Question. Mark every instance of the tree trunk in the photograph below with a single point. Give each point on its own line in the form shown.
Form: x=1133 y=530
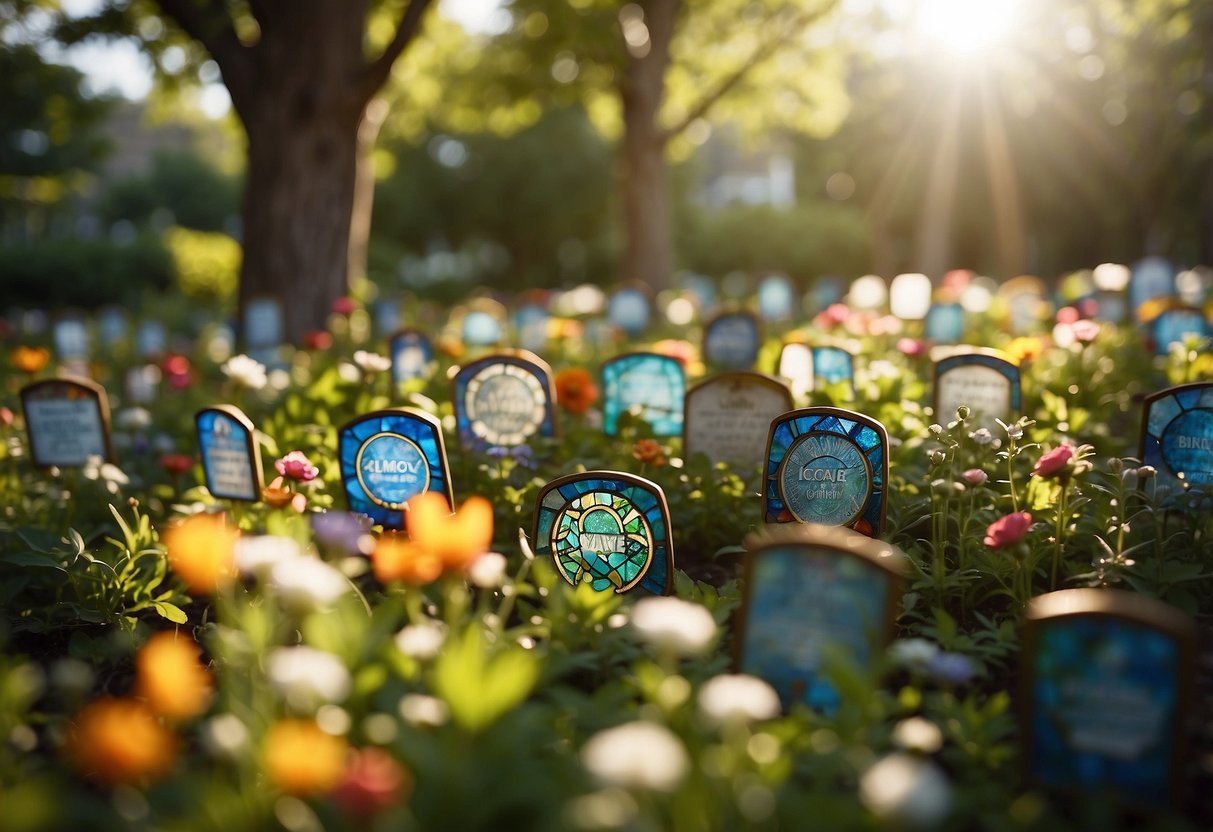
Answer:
x=642 y=165
x=364 y=186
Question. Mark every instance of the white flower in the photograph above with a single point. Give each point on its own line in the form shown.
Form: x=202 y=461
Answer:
x=637 y=755
x=908 y=790
x=421 y=641
x=257 y=555
x=306 y=583
x=245 y=371
x=738 y=698
x=881 y=369
x=224 y=736
x=674 y=625
x=305 y=676
x=918 y=734
x=982 y=436
x=372 y=362
x=133 y=418
x=488 y=570
x=419 y=710
x=913 y=652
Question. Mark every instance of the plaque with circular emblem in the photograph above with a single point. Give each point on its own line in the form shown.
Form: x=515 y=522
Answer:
x=1177 y=436
x=504 y=401
x=391 y=470
x=825 y=478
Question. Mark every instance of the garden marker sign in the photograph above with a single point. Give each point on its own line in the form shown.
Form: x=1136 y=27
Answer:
x=796 y=365
x=629 y=309
x=67 y=420
x=728 y=417
x=827 y=465
x=732 y=340
x=607 y=528
x=151 y=340
x=504 y=400
x=387 y=458
x=809 y=590
x=986 y=382
x=1106 y=681
x=231 y=457
x=263 y=328
x=411 y=353
x=1175 y=325
x=71 y=339
x=1177 y=436
x=653 y=382
x=833 y=365
x=945 y=323
x=112 y=326
x=776 y=298
x=1152 y=277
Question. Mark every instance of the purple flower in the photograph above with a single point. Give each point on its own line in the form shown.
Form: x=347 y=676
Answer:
x=342 y=530
x=952 y=668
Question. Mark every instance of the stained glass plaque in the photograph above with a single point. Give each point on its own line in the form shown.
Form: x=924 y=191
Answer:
x=945 y=323
x=608 y=528
x=1175 y=326
x=985 y=382
x=411 y=353
x=231 y=457
x=728 y=417
x=653 y=382
x=1152 y=277
x=630 y=310
x=67 y=421
x=732 y=340
x=151 y=340
x=71 y=339
x=1177 y=436
x=833 y=365
x=1106 y=681
x=808 y=590
x=387 y=458
x=776 y=298
x=504 y=400
x=827 y=465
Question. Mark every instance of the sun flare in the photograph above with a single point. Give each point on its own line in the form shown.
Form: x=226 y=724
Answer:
x=966 y=26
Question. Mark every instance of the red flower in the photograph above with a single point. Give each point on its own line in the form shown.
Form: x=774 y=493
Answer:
x=176 y=464
x=6 y=417
x=317 y=339
x=373 y=781
x=975 y=476
x=1009 y=530
x=575 y=390
x=345 y=305
x=1054 y=462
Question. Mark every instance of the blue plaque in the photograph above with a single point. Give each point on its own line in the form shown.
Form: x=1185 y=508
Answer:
x=1175 y=325
x=732 y=340
x=412 y=355
x=231 y=457
x=504 y=401
x=386 y=316
x=833 y=365
x=945 y=323
x=776 y=298
x=607 y=528
x=480 y=328
x=826 y=291
x=827 y=465
x=630 y=310
x=531 y=324
x=71 y=339
x=808 y=590
x=1111 y=306
x=1177 y=436
x=654 y=382
x=67 y=421
x=112 y=326
x=1105 y=685
x=387 y=458
x=703 y=289
x=151 y=340
x=985 y=382
x=1152 y=277
x=263 y=324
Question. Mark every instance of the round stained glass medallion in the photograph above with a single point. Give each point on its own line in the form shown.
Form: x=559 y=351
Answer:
x=604 y=535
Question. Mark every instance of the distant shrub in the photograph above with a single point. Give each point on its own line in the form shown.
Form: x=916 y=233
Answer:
x=84 y=273
x=207 y=263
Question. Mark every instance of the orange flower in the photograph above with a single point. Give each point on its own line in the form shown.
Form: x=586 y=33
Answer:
x=201 y=550
x=29 y=359
x=649 y=452
x=119 y=741
x=303 y=760
x=170 y=677
x=575 y=390
x=397 y=558
x=277 y=494
x=456 y=539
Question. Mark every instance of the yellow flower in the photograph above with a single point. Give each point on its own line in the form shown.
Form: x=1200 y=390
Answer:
x=1025 y=348
x=201 y=550
x=303 y=760
x=120 y=741
x=29 y=359
x=170 y=677
x=457 y=539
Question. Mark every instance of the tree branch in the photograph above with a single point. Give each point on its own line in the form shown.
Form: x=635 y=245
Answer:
x=376 y=73
x=209 y=23
x=765 y=49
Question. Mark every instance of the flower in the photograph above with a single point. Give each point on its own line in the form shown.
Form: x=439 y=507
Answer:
x=1085 y=330
x=257 y=554
x=975 y=476
x=245 y=372
x=1009 y=530
x=224 y=736
x=903 y=788
x=201 y=550
x=649 y=452
x=6 y=417
x=345 y=305
x=983 y=437
x=343 y=530
x=673 y=625
x=317 y=339
x=170 y=677
x=911 y=347
x=305 y=676
x=913 y=652
x=738 y=698
x=120 y=741
x=456 y=539
x=954 y=668
x=373 y=781
x=396 y=558
x=295 y=466
x=575 y=390
x=281 y=496
x=133 y=418
x=420 y=710
x=638 y=754
x=1054 y=462
x=306 y=584
x=177 y=464
x=1025 y=348
x=421 y=641
x=488 y=570
x=372 y=362
x=918 y=734
x=29 y=360
x=301 y=759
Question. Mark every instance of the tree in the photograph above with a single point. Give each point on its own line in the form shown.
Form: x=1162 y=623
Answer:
x=300 y=79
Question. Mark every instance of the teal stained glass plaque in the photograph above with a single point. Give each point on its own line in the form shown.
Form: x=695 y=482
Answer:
x=387 y=458
x=776 y=298
x=833 y=365
x=481 y=328
x=1106 y=681
x=945 y=323
x=732 y=340
x=608 y=528
x=231 y=457
x=1177 y=436
x=653 y=382
x=504 y=401
x=827 y=465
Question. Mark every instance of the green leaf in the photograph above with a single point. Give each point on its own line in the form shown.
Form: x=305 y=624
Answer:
x=34 y=559
x=480 y=688
x=172 y=612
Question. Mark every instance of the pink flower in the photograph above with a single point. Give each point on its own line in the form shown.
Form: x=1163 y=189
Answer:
x=1067 y=315
x=296 y=466
x=6 y=417
x=1054 y=462
x=344 y=305
x=974 y=476
x=1009 y=530
x=1085 y=330
x=911 y=347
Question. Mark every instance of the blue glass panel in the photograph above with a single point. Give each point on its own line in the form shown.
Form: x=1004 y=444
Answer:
x=481 y=329
x=388 y=458
x=1153 y=277
x=732 y=341
x=231 y=468
x=411 y=354
x=387 y=316
x=655 y=383
x=832 y=365
x=1175 y=325
x=503 y=401
x=71 y=339
x=945 y=322
x=1178 y=437
x=629 y=309
x=776 y=299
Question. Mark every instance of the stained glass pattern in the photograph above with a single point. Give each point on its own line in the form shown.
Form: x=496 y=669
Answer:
x=388 y=457
x=1175 y=325
x=1177 y=436
x=832 y=365
x=608 y=528
x=656 y=383
x=866 y=436
x=502 y=401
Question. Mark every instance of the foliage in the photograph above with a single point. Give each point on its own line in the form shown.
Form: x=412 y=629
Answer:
x=85 y=273
x=207 y=263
